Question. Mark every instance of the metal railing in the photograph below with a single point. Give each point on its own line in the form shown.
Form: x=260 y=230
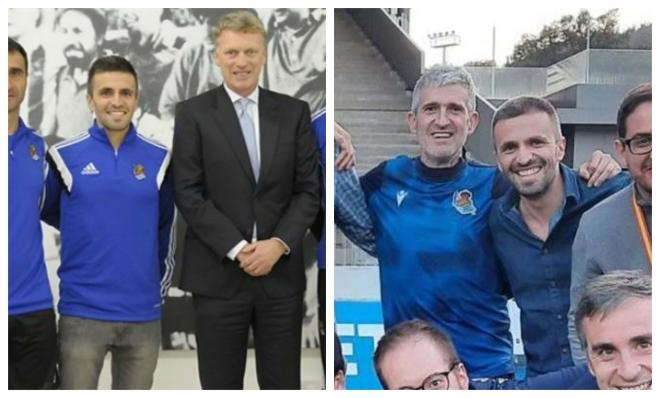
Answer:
x=346 y=253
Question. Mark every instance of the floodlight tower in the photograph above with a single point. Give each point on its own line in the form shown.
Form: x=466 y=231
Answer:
x=443 y=40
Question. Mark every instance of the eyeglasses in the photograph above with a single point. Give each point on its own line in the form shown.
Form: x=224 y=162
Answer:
x=436 y=381
x=639 y=144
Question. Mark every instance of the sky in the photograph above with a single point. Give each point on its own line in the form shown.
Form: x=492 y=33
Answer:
x=474 y=23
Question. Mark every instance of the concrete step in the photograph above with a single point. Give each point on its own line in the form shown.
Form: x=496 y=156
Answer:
x=374 y=79
x=361 y=63
x=375 y=119
x=356 y=101
x=365 y=138
x=348 y=89
x=358 y=46
x=370 y=98
x=366 y=65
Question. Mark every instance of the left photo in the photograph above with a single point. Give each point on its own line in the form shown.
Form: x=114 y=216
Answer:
x=166 y=198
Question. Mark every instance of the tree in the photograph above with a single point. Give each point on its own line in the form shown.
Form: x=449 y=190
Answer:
x=639 y=37
x=487 y=62
x=570 y=35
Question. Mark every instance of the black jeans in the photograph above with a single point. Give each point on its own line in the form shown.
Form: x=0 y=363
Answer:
x=32 y=350
x=321 y=298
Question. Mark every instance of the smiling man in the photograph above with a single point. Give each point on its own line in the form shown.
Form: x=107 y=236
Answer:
x=246 y=182
x=81 y=31
x=613 y=319
x=430 y=222
x=429 y=217
x=534 y=223
x=31 y=329
x=414 y=355
x=115 y=211
x=616 y=234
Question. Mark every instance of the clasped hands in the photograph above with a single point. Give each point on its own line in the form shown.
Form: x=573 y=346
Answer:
x=258 y=258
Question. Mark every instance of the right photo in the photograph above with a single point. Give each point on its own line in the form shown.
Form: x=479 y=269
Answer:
x=493 y=198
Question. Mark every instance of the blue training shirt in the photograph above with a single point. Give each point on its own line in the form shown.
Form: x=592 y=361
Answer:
x=116 y=216
x=318 y=126
x=436 y=257
x=29 y=290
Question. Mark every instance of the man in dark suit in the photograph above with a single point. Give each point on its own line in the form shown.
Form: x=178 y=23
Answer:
x=245 y=175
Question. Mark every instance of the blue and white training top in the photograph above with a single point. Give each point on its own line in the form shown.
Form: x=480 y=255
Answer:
x=116 y=217
x=318 y=126
x=29 y=290
x=436 y=256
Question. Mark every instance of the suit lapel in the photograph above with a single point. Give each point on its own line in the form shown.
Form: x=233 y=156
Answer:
x=269 y=129
x=227 y=119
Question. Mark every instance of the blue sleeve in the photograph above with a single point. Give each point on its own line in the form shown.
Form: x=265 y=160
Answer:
x=166 y=233
x=318 y=125
x=351 y=214
x=574 y=377
x=50 y=201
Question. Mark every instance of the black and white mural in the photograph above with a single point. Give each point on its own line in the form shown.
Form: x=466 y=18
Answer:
x=172 y=51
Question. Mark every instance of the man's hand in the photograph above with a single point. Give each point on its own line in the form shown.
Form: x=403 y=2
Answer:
x=346 y=156
x=258 y=258
x=600 y=168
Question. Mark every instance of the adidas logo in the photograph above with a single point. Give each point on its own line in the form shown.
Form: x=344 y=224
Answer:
x=90 y=169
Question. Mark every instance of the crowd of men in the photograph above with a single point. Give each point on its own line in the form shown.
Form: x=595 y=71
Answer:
x=243 y=173
x=455 y=238
x=171 y=49
x=571 y=247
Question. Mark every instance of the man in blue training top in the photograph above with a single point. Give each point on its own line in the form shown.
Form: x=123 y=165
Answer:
x=535 y=221
x=318 y=126
x=430 y=220
x=116 y=214
x=31 y=328
x=431 y=234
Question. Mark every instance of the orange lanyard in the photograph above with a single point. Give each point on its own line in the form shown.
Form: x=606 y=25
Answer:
x=643 y=229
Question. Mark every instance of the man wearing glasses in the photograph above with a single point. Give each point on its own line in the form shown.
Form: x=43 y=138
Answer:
x=616 y=234
x=416 y=355
x=534 y=223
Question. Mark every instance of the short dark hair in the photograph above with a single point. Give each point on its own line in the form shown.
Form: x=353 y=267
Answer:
x=523 y=105
x=96 y=16
x=606 y=293
x=340 y=363
x=110 y=63
x=631 y=101
x=409 y=329
x=15 y=47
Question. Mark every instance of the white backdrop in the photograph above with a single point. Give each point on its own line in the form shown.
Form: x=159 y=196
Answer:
x=171 y=50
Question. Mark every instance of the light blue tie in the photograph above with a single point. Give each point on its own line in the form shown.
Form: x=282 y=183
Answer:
x=247 y=126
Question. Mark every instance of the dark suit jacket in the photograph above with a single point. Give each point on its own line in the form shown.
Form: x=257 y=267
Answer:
x=216 y=193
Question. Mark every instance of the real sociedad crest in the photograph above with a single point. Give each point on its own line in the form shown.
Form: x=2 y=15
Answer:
x=138 y=172
x=33 y=152
x=464 y=203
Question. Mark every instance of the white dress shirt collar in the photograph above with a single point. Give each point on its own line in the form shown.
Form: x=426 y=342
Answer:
x=233 y=96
